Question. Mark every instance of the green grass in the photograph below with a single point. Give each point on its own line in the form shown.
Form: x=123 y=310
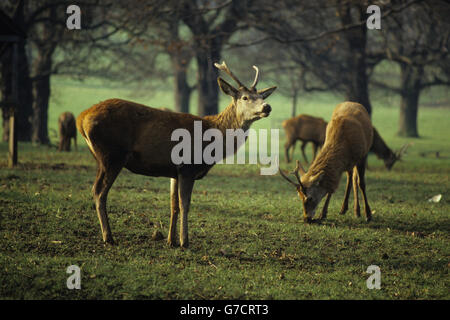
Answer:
x=247 y=239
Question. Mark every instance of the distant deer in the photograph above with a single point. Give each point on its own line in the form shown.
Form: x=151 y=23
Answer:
x=383 y=152
x=305 y=128
x=348 y=139
x=67 y=130
x=122 y=134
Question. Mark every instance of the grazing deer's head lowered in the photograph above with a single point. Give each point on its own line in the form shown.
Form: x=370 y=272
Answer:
x=122 y=134
x=349 y=136
x=310 y=192
x=382 y=151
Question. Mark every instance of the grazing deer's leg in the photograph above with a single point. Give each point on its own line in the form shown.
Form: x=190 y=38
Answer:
x=355 y=191
x=344 y=207
x=362 y=185
x=105 y=178
x=323 y=215
x=185 y=186
x=314 y=150
x=293 y=149
x=303 y=150
x=75 y=142
x=288 y=145
x=286 y=151
x=174 y=210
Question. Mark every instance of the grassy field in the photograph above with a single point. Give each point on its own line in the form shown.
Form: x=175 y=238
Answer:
x=247 y=239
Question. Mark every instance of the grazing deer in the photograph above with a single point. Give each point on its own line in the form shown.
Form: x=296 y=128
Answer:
x=306 y=129
x=67 y=130
x=348 y=139
x=122 y=134
x=383 y=152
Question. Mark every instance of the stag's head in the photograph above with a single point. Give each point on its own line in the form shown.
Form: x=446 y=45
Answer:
x=249 y=102
x=309 y=190
x=395 y=156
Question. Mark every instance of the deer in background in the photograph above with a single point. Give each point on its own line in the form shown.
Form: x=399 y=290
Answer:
x=122 y=134
x=383 y=152
x=305 y=128
x=67 y=130
x=348 y=139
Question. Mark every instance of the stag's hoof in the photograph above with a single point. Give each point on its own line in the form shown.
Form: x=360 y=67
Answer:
x=184 y=245
x=308 y=220
x=171 y=242
x=109 y=241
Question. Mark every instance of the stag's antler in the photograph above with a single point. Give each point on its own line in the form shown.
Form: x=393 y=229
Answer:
x=255 y=82
x=223 y=67
x=402 y=151
x=295 y=173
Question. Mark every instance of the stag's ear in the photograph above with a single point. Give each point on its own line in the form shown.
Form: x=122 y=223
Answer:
x=266 y=92
x=227 y=88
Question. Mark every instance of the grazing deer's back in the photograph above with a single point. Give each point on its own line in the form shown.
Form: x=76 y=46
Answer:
x=350 y=126
x=306 y=127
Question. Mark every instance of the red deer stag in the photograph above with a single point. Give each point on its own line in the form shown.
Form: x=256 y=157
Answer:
x=306 y=129
x=126 y=134
x=348 y=139
x=67 y=130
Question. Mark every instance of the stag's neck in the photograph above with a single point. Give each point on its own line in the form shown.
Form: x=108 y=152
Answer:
x=227 y=119
x=331 y=163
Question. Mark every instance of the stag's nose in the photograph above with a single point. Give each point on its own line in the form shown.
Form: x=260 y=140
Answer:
x=267 y=108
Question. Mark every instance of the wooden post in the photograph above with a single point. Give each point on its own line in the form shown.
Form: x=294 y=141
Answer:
x=12 y=156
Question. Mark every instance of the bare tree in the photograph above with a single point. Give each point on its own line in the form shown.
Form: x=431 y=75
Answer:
x=418 y=41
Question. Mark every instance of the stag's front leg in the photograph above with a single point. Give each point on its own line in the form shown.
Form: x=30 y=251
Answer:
x=185 y=186
x=362 y=186
x=344 y=207
x=355 y=192
x=323 y=215
x=174 y=210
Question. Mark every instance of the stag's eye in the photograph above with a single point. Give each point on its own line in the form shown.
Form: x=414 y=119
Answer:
x=244 y=98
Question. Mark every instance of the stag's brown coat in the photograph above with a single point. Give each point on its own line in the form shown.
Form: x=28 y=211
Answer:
x=121 y=134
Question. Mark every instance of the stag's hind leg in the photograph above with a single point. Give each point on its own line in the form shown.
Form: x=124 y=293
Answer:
x=361 y=167
x=106 y=175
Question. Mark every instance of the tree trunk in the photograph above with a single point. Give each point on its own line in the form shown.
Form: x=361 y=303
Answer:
x=24 y=107
x=410 y=93
x=294 y=104
x=182 y=88
x=356 y=79
x=207 y=87
x=41 y=91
